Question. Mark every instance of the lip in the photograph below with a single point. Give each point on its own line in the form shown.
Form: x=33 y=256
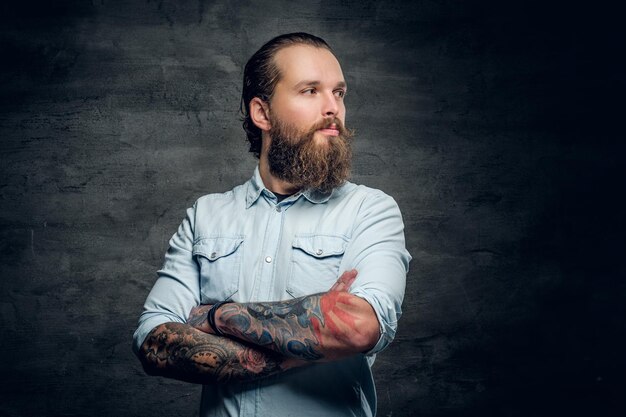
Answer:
x=329 y=131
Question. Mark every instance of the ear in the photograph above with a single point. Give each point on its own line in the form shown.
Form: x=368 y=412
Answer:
x=259 y=113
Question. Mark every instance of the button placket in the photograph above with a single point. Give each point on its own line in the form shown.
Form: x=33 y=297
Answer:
x=263 y=289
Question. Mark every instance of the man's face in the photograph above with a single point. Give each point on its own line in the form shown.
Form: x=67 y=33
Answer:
x=309 y=146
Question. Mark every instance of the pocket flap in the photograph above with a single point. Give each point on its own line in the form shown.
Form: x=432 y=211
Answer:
x=320 y=246
x=215 y=248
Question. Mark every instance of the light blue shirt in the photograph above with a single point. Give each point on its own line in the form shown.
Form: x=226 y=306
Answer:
x=244 y=246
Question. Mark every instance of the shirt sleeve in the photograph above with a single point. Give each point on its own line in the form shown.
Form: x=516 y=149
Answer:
x=377 y=251
x=177 y=288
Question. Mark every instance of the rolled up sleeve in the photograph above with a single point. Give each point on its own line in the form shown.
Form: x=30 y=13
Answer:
x=177 y=288
x=377 y=251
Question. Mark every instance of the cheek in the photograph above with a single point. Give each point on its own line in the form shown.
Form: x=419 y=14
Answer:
x=302 y=115
x=341 y=115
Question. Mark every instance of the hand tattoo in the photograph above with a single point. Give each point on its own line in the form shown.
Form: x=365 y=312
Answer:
x=198 y=318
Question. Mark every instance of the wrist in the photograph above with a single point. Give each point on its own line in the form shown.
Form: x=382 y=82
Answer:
x=211 y=319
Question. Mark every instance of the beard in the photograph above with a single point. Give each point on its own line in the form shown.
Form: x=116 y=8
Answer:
x=294 y=156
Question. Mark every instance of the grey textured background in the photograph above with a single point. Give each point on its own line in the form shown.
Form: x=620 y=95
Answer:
x=495 y=125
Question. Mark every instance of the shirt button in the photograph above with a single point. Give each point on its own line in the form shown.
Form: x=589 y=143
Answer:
x=268 y=259
x=278 y=209
x=319 y=252
x=213 y=255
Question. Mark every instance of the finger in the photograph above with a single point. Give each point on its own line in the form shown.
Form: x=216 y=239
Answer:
x=198 y=313
x=345 y=281
x=193 y=312
x=338 y=285
x=349 y=277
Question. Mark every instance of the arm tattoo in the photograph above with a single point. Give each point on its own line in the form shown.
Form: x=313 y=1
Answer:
x=292 y=328
x=179 y=351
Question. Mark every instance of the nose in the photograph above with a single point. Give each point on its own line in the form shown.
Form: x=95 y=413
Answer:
x=330 y=105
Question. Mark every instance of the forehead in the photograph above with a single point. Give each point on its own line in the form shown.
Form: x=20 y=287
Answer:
x=298 y=63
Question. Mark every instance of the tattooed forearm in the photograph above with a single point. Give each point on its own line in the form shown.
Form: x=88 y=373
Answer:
x=317 y=327
x=287 y=327
x=179 y=351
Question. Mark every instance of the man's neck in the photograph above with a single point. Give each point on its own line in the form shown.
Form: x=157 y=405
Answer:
x=275 y=185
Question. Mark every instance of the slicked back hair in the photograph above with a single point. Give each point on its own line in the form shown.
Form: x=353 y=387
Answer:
x=261 y=75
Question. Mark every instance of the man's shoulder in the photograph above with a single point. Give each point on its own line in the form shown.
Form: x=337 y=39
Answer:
x=350 y=190
x=363 y=201
x=231 y=197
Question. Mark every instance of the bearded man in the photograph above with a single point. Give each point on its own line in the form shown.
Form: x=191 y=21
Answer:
x=277 y=295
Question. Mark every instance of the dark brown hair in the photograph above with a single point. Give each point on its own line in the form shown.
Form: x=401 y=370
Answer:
x=261 y=75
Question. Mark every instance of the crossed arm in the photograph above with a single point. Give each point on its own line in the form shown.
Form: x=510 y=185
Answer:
x=177 y=350
x=264 y=338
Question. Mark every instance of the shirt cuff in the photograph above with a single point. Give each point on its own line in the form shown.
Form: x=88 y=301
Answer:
x=147 y=324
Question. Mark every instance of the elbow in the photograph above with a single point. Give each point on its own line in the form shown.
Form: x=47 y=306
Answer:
x=148 y=362
x=147 y=353
x=149 y=368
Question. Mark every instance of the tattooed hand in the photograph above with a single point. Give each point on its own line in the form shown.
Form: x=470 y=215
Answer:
x=198 y=318
x=198 y=315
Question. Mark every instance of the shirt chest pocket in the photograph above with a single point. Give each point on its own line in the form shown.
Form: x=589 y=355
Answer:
x=315 y=261
x=219 y=260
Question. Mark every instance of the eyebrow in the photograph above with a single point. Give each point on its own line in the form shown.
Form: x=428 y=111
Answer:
x=315 y=83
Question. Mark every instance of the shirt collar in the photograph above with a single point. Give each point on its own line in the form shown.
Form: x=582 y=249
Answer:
x=316 y=196
x=256 y=188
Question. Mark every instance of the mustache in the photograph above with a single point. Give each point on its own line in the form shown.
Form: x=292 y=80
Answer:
x=327 y=123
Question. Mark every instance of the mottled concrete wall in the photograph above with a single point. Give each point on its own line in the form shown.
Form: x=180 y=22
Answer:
x=493 y=124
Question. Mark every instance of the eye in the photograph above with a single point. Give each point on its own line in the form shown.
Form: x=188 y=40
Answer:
x=340 y=93
x=309 y=91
